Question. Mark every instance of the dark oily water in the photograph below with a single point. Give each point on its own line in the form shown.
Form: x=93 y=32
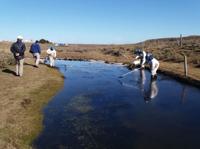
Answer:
x=98 y=110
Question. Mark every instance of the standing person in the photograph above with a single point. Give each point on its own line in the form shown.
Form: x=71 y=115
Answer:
x=141 y=55
x=36 y=50
x=18 y=48
x=154 y=65
x=52 y=55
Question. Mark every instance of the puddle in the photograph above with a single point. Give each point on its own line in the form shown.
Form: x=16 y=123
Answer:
x=98 y=110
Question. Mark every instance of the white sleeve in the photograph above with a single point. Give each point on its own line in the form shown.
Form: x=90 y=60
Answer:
x=136 y=57
x=48 y=51
x=144 y=58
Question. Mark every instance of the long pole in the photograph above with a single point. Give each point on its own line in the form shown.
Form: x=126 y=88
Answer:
x=129 y=72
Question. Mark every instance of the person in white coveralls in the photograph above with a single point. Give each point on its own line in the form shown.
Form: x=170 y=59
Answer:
x=51 y=55
x=154 y=65
x=140 y=58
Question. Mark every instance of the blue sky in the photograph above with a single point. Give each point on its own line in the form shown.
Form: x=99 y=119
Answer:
x=98 y=21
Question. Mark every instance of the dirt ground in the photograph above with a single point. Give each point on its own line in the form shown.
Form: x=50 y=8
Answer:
x=21 y=101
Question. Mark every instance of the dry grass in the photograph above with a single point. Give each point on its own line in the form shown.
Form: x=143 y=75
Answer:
x=21 y=102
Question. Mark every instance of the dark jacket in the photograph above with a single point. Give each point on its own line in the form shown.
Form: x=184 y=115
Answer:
x=18 y=48
x=35 y=48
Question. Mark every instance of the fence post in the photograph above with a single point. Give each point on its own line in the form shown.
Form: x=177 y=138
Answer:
x=181 y=40
x=185 y=66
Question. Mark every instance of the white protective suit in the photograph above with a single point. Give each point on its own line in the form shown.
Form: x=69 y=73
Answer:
x=154 y=66
x=142 y=58
x=52 y=56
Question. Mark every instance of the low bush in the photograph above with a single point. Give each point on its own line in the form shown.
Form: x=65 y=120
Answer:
x=6 y=59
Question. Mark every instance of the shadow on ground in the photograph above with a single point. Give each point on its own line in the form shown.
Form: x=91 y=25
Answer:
x=8 y=71
x=29 y=64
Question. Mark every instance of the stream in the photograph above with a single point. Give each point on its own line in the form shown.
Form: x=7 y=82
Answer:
x=98 y=110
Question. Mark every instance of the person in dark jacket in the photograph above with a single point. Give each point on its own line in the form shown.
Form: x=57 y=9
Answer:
x=18 y=48
x=36 y=50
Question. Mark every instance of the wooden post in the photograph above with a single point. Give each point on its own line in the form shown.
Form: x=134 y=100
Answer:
x=185 y=66
x=181 y=41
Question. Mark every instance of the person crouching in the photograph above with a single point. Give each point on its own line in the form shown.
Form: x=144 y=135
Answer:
x=18 y=48
x=52 y=55
x=141 y=56
x=36 y=50
x=154 y=65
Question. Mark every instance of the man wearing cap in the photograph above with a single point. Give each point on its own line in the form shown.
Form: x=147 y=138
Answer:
x=18 y=48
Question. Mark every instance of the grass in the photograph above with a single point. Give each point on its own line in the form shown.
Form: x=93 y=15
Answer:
x=22 y=100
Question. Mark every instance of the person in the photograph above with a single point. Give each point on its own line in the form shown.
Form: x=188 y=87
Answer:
x=152 y=92
x=154 y=65
x=140 y=55
x=18 y=48
x=51 y=55
x=36 y=51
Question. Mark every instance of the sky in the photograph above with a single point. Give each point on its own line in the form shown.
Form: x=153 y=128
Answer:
x=98 y=21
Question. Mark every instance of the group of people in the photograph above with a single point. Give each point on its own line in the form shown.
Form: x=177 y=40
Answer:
x=18 y=49
x=140 y=60
x=148 y=58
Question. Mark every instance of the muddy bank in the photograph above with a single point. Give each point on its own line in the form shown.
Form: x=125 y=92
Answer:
x=188 y=80
x=22 y=100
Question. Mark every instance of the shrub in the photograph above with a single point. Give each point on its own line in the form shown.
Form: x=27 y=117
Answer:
x=43 y=41
x=6 y=59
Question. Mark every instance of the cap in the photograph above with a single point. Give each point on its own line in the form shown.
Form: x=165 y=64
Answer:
x=20 y=37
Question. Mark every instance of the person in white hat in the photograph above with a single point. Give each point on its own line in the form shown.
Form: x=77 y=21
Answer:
x=18 y=48
x=51 y=55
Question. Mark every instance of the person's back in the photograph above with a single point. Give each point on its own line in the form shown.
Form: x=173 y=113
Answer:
x=154 y=63
x=154 y=67
x=35 y=48
x=51 y=52
x=52 y=55
x=18 y=48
